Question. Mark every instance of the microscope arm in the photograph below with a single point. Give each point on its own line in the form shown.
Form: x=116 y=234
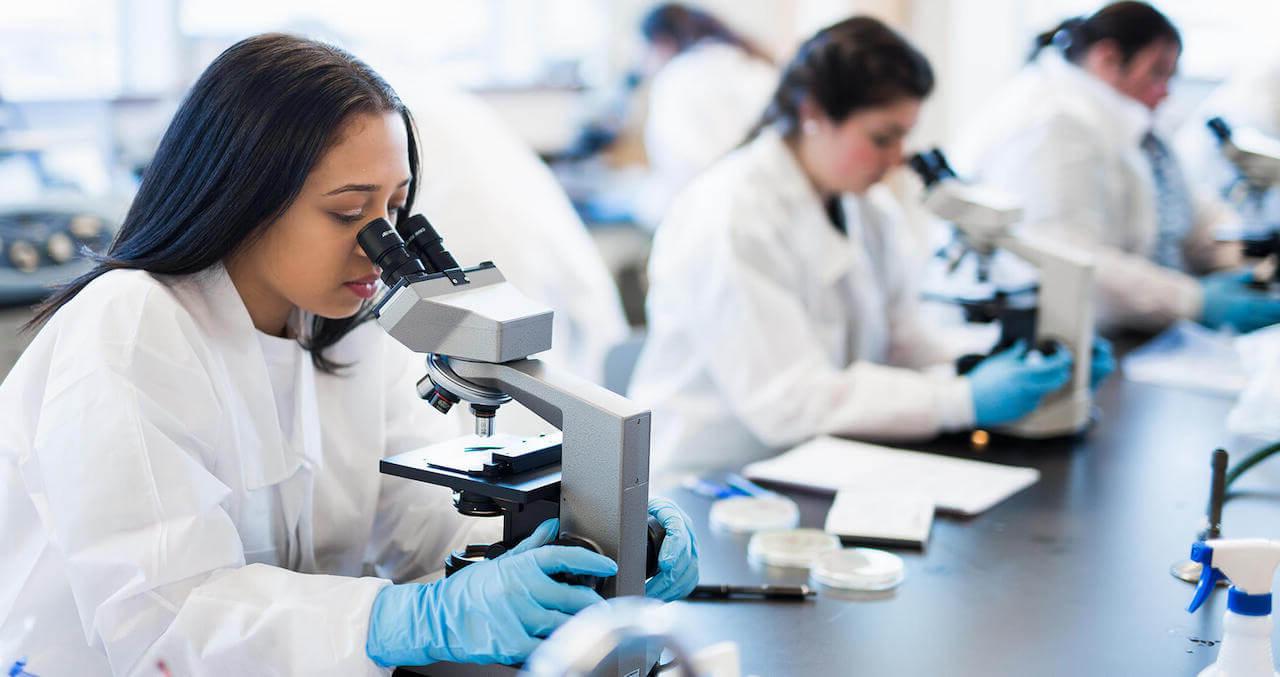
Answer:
x=604 y=458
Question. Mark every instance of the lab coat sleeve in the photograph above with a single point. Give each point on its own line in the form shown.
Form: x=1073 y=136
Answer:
x=416 y=524
x=129 y=429
x=1057 y=168
x=757 y=340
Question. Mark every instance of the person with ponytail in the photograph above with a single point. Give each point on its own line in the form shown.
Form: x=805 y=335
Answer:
x=707 y=85
x=780 y=304
x=1073 y=136
x=189 y=447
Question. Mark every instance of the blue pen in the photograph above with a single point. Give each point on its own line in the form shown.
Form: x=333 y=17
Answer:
x=19 y=668
x=709 y=489
x=745 y=486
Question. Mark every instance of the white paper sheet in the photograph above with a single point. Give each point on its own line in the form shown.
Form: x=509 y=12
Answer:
x=954 y=484
x=879 y=517
x=1189 y=356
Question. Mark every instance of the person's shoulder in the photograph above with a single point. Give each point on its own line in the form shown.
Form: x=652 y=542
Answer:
x=711 y=67
x=732 y=194
x=124 y=306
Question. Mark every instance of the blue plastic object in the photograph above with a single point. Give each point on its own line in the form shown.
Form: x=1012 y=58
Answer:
x=710 y=489
x=1209 y=575
x=1006 y=386
x=1102 y=362
x=1228 y=300
x=1245 y=604
x=495 y=611
x=19 y=669
x=745 y=486
x=678 y=558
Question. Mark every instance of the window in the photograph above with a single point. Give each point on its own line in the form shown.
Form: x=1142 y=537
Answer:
x=479 y=43
x=52 y=51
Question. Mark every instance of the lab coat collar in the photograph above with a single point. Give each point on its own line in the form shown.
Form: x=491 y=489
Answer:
x=268 y=459
x=825 y=251
x=1129 y=118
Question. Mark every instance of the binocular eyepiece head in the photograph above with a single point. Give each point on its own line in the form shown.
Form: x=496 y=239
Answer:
x=931 y=166
x=423 y=252
x=386 y=249
x=1219 y=128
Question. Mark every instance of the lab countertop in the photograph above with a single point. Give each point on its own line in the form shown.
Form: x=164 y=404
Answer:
x=1068 y=577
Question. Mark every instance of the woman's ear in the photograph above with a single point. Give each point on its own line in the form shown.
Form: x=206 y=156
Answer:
x=1105 y=60
x=810 y=117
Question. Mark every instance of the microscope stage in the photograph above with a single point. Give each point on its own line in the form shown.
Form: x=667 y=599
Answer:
x=505 y=467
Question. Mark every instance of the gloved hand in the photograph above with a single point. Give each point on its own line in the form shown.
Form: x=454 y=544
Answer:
x=1229 y=300
x=678 y=558
x=494 y=611
x=1006 y=386
x=1102 y=362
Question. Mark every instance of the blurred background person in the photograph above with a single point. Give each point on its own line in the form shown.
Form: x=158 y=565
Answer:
x=709 y=83
x=492 y=199
x=781 y=306
x=1072 y=135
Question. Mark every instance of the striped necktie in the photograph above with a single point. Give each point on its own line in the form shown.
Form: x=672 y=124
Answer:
x=1174 y=211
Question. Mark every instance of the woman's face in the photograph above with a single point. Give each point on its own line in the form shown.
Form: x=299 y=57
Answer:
x=852 y=155
x=1145 y=77
x=308 y=258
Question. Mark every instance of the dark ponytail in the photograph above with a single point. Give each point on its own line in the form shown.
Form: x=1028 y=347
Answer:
x=856 y=64
x=1131 y=26
x=234 y=159
x=683 y=27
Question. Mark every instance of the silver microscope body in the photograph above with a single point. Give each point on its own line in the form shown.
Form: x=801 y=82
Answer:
x=1256 y=158
x=1059 y=309
x=478 y=332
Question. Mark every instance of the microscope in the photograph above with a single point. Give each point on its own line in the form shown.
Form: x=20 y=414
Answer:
x=477 y=332
x=1054 y=311
x=1256 y=158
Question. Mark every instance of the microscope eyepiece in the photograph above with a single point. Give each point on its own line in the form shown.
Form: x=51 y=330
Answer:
x=426 y=243
x=941 y=165
x=1221 y=130
x=931 y=166
x=383 y=245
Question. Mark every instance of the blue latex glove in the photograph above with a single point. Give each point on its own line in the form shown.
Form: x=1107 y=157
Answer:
x=1007 y=387
x=494 y=611
x=1229 y=301
x=678 y=558
x=1102 y=362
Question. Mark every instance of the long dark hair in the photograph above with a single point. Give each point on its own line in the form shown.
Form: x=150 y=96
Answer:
x=1131 y=26
x=235 y=157
x=685 y=26
x=855 y=64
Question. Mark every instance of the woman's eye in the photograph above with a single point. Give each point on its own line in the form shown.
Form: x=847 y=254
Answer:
x=348 y=218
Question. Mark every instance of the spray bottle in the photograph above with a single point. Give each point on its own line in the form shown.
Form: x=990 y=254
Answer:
x=1250 y=564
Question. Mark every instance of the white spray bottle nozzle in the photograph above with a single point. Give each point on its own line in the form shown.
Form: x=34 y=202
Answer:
x=1249 y=563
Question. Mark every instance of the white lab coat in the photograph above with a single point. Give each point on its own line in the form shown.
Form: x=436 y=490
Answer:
x=1068 y=145
x=1250 y=99
x=492 y=199
x=143 y=472
x=702 y=104
x=768 y=327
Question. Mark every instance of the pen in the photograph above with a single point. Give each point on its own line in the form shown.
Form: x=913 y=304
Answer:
x=745 y=486
x=786 y=592
x=710 y=489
